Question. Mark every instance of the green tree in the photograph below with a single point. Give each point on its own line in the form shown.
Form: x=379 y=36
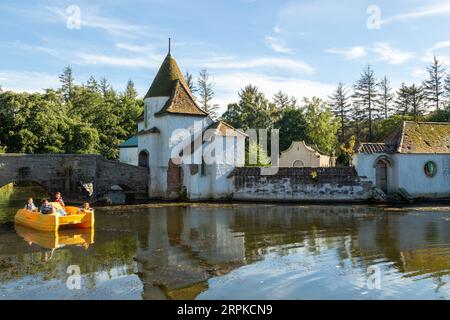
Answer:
x=434 y=86
x=410 y=100
x=2 y=148
x=67 y=84
x=386 y=97
x=253 y=111
x=256 y=153
x=346 y=152
x=321 y=125
x=340 y=102
x=366 y=95
x=292 y=126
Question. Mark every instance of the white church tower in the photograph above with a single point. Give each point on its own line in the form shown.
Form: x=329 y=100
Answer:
x=170 y=106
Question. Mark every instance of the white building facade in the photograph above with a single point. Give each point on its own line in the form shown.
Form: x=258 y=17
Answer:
x=299 y=154
x=182 y=146
x=414 y=158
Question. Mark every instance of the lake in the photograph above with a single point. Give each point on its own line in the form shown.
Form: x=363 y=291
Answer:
x=245 y=251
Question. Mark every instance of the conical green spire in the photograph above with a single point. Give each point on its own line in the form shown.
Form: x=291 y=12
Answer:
x=164 y=81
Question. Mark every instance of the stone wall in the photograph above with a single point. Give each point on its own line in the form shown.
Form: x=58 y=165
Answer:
x=300 y=184
x=69 y=172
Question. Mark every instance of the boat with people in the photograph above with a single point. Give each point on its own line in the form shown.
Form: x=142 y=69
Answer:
x=60 y=217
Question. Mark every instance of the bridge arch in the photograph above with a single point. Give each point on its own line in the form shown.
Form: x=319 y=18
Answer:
x=70 y=174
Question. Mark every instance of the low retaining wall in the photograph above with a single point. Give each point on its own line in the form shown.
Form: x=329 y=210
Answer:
x=300 y=184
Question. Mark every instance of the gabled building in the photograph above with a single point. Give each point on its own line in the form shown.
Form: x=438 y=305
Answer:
x=413 y=159
x=171 y=110
x=299 y=154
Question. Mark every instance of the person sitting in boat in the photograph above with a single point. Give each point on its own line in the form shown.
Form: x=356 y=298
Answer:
x=85 y=207
x=59 y=199
x=30 y=205
x=46 y=207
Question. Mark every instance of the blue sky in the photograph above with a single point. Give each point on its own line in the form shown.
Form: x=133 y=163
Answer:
x=302 y=47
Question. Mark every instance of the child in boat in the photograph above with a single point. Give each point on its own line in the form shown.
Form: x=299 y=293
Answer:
x=30 y=205
x=59 y=199
x=46 y=207
x=85 y=207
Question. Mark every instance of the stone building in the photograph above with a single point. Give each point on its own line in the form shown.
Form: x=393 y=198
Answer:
x=413 y=160
x=176 y=164
x=299 y=154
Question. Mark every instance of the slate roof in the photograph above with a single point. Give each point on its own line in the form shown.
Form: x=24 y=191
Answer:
x=181 y=101
x=164 y=81
x=132 y=142
x=169 y=82
x=413 y=137
x=224 y=129
x=381 y=147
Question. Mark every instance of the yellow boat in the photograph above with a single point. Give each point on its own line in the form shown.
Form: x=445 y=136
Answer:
x=52 y=222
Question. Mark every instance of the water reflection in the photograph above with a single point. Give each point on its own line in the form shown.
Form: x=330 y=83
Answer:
x=251 y=251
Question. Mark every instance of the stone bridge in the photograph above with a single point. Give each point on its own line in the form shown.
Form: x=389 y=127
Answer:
x=76 y=176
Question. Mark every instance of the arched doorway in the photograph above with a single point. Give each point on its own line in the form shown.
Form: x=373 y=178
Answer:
x=143 y=159
x=381 y=174
x=298 y=164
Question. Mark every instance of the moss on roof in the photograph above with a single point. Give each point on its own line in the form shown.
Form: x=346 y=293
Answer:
x=425 y=137
x=164 y=81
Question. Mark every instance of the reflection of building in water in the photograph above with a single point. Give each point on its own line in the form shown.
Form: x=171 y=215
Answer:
x=185 y=248
x=175 y=250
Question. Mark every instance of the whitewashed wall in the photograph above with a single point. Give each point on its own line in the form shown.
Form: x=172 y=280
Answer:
x=129 y=156
x=411 y=175
x=407 y=172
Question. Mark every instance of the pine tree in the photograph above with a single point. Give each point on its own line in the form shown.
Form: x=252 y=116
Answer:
x=104 y=86
x=402 y=100
x=366 y=95
x=92 y=84
x=410 y=100
x=434 y=85
x=340 y=102
x=190 y=81
x=386 y=97
x=205 y=89
x=283 y=101
x=416 y=99
x=130 y=90
x=67 y=84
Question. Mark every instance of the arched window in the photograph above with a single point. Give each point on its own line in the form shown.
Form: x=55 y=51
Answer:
x=143 y=159
x=298 y=163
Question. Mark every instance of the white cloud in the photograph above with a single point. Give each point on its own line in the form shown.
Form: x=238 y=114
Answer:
x=431 y=52
x=29 y=81
x=228 y=86
x=350 y=53
x=118 y=61
x=419 y=73
x=391 y=55
x=135 y=48
x=290 y=65
x=277 y=45
x=439 y=8
x=90 y=19
x=382 y=50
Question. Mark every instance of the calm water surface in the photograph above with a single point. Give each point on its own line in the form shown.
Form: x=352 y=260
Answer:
x=245 y=252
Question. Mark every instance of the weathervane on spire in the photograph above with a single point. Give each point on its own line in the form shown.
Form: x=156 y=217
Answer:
x=169 y=46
